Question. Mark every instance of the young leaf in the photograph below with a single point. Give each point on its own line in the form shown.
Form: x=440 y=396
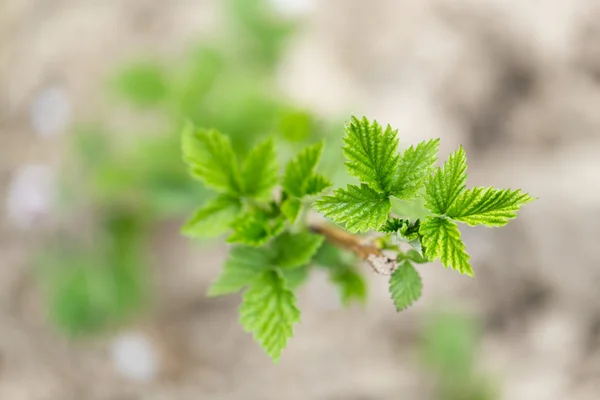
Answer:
x=269 y=311
x=293 y=250
x=260 y=171
x=371 y=153
x=213 y=218
x=405 y=285
x=441 y=238
x=359 y=207
x=315 y=184
x=351 y=285
x=447 y=183
x=211 y=159
x=255 y=228
x=393 y=225
x=416 y=166
x=487 y=206
x=291 y=208
x=409 y=232
x=244 y=266
x=300 y=169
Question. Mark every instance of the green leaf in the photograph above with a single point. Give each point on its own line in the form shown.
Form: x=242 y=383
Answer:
x=213 y=218
x=447 y=183
x=260 y=171
x=293 y=250
x=393 y=225
x=250 y=231
x=351 y=285
x=300 y=169
x=487 y=206
x=409 y=232
x=291 y=208
x=441 y=239
x=269 y=311
x=244 y=266
x=294 y=278
x=416 y=166
x=405 y=285
x=211 y=159
x=315 y=184
x=255 y=228
x=360 y=208
x=371 y=153
x=415 y=256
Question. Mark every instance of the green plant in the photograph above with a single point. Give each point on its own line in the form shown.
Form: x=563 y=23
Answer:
x=228 y=82
x=265 y=215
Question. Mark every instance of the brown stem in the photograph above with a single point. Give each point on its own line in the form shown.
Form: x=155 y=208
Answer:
x=365 y=250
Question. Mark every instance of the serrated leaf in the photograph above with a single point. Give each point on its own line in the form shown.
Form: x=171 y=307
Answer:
x=416 y=166
x=300 y=169
x=405 y=285
x=487 y=206
x=371 y=153
x=244 y=266
x=250 y=231
x=213 y=218
x=255 y=228
x=441 y=239
x=293 y=250
x=359 y=207
x=393 y=225
x=291 y=208
x=260 y=171
x=409 y=232
x=350 y=284
x=211 y=159
x=269 y=311
x=447 y=183
x=315 y=184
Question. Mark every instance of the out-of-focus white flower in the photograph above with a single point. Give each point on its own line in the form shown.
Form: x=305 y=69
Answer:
x=50 y=111
x=294 y=7
x=135 y=357
x=29 y=195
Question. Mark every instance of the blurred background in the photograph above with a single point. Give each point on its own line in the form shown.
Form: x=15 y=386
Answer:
x=102 y=298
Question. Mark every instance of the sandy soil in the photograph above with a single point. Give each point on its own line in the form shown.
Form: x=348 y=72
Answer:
x=518 y=83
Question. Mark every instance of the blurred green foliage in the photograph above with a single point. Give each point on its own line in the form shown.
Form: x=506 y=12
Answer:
x=449 y=347
x=227 y=83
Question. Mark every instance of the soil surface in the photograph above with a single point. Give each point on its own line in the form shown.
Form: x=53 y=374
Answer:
x=516 y=82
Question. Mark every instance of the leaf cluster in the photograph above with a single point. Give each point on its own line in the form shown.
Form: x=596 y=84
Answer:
x=257 y=206
x=387 y=175
x=261 y=211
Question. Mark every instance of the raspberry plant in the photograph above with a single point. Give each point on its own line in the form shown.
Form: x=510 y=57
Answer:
x=275 y=243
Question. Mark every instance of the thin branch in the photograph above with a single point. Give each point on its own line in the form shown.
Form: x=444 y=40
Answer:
x=381 y=263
